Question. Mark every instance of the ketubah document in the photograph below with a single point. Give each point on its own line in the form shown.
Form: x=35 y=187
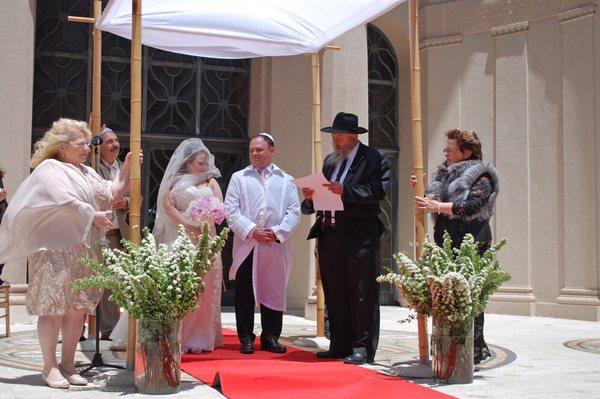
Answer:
x=323 y=199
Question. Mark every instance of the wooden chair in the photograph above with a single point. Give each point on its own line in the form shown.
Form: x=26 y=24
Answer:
x=5 y=304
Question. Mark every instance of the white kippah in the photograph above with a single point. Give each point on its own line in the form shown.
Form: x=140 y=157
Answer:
x=106 y=130
x=267 y=135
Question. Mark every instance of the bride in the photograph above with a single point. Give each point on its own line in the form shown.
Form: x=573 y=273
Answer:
x=191 y=174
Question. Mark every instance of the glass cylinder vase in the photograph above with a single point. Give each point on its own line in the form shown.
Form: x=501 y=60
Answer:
x=452 y=351
x=158 y=356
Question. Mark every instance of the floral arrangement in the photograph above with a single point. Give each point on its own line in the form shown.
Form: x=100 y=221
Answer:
x=453 y=284
x=206 y=208
x=153 y=282
x=158 y=287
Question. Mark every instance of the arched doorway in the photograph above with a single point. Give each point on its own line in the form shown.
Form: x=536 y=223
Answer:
x=383 y=135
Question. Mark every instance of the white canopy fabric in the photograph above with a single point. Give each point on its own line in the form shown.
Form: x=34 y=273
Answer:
x=242 y=28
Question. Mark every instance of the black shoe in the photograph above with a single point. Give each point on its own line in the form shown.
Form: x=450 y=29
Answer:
x=247 y=346
x=270 y=344
x=105 y=337
x=357 y=358
x=481 y=355
x=332 y=354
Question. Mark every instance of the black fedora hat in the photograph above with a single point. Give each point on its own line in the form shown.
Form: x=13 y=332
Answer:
x=345 y=123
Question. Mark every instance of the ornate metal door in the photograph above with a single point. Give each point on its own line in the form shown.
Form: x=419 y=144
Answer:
x=383 y=135
x=183 y=96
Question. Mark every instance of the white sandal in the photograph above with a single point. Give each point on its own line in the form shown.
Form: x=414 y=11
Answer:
x=73 y=379
x=61 y=383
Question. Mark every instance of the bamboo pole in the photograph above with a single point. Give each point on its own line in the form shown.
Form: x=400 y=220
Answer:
x=135 y=143
x=417 y=152
x=82 y=20
x=318 y=165
x=96 y=95
x=96 y=79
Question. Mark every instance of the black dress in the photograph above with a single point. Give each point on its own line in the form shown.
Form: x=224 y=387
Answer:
x=479 y=194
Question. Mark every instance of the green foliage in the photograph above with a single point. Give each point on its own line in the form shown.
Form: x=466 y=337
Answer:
x=452 y=283
x=155 y=283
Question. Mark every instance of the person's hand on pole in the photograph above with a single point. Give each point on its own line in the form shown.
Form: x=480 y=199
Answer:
x=413 y=180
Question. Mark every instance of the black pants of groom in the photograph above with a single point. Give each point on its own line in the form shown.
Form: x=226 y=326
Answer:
x=271 y=320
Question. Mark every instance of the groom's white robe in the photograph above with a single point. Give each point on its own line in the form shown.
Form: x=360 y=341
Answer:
x=270 y=204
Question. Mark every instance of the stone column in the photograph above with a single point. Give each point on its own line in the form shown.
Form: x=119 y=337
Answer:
x=17 y=43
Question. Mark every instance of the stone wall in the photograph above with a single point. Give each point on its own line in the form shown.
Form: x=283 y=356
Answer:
x=17 y=29
x=524 y=76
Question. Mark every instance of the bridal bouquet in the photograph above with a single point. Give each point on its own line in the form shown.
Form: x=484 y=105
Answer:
x=206 y=208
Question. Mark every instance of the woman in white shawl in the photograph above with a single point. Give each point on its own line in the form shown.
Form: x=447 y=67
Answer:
x=56 y=217
x=192 y=174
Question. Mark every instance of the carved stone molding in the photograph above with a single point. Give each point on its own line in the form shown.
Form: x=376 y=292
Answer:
x=440 y=41
x=511 y=28
x=576 y=13
x=515 y=289
x=476 y=16
x=514 y=294
x=578 y=296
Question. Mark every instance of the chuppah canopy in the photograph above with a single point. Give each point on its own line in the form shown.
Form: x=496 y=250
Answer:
x=242 y=28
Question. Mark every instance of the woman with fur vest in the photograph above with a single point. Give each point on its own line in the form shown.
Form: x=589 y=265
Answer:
x=461 y=199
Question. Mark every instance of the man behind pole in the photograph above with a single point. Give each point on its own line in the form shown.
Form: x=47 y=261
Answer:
x=348 y=247
x=264 y=210
x=109 y=168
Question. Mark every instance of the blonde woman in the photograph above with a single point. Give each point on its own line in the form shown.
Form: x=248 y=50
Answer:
x=56 y=217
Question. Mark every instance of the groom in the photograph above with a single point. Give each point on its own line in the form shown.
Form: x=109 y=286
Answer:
x=264 y=210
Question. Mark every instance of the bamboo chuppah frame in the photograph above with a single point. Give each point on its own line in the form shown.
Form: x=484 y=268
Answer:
x=417 y=152
x=318 y=165
x=135 y=146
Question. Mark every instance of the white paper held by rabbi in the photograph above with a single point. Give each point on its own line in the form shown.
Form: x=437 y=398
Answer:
x=323 y=199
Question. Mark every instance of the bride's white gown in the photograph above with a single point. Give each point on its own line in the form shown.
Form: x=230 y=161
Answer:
x=201 y=329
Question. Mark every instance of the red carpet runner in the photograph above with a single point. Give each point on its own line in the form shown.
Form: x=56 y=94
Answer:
x=294 y=375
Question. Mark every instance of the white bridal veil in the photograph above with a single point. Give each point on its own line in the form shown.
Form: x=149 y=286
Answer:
x=177 y=177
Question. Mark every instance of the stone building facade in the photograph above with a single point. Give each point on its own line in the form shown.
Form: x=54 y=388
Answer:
x=524 y=74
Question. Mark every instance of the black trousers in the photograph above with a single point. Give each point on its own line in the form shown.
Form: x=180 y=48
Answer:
x=271 y=320
x=349 y=267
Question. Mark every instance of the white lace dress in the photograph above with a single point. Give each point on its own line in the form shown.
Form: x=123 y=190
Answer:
x=201 y=329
